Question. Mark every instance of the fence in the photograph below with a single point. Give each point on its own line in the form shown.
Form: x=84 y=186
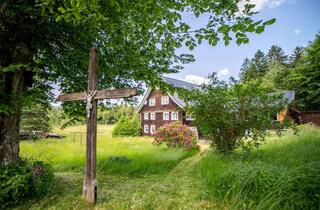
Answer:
x=80 y=137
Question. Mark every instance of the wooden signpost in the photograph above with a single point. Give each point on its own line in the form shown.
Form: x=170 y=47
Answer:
x=93 y=94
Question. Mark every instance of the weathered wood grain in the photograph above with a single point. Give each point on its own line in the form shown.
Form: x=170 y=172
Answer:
x=101 y=94
x=90 y=183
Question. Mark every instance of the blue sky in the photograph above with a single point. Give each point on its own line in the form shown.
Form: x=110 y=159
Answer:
x=298 y=21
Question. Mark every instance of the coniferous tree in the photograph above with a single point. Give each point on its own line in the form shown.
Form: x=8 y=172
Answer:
x=35 y=118
x=259 y=63
x=305 y=77
x=256 y=68
x=276 y=54
x=276 y=78
x=244 y=67
x=296 y=56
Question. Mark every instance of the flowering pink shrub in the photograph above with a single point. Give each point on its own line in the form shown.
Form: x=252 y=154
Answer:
x=176 y=135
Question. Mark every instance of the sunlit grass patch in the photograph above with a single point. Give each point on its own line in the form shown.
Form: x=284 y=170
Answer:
x=68 y=154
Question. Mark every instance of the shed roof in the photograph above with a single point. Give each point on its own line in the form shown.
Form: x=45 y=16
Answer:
x=288 y=95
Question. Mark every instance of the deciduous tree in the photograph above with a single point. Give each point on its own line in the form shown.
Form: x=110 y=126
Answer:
x=233 y=115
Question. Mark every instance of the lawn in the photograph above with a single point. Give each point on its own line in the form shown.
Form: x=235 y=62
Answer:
x=134 y=174
x=134 y=156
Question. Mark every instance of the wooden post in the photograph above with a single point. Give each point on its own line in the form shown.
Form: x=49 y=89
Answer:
x=93 y=94
x=90 y=182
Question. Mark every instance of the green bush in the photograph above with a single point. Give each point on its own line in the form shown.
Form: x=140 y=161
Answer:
x=27 y=179
x=233 y=115
x=127 y=126
x=176 y=135
x=285 y=174
x=114 y=114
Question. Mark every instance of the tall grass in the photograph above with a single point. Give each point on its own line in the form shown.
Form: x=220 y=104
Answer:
x=283 y=174
x=122 y=155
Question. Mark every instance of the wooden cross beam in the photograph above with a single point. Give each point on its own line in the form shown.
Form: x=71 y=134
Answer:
x=101 y=94
x=93 y=94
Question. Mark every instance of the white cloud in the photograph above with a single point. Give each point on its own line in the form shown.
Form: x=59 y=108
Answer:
x=261 y=4
x=195 y=79
x=296 y=31
x=223 y=73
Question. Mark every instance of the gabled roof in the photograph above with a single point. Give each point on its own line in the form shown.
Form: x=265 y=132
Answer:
x=288 y=95
x=175 y=97
x=180 y=83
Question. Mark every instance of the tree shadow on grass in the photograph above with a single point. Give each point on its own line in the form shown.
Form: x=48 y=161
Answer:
x=140 y=165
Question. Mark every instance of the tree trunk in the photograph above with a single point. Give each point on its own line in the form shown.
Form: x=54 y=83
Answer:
x=9 y=138
x=9 y=121
x=18 y=29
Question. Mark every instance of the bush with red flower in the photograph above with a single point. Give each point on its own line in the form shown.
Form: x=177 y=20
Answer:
x=176 y=135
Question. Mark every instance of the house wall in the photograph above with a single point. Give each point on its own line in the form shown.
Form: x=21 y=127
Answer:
x=281 y=115
x=305 y=117
x=159 y=109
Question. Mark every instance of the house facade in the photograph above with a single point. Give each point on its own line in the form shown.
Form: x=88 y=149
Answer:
x=159 y=108
x=288 y=96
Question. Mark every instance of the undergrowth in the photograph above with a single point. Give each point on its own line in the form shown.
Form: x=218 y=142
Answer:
x=283 y=174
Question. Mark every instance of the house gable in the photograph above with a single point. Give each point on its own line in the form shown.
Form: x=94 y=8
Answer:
x=173 y=97
x=156 y=93
x=154 y=114
x=158 y=107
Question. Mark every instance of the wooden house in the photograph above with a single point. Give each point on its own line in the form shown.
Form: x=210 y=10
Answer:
x=158 y=108
x=289 y=97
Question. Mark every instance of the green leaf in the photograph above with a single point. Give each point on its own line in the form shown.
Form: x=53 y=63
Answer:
x=270 y=22
x=62 y=10
x=260 y=29
x=191 y=47
x=13 y=67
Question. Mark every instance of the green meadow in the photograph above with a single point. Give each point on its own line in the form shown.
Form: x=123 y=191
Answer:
x=135 y=174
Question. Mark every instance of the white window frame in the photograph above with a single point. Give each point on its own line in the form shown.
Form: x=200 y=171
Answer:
x=152 y=116
x=174 y=115
x=164 y=100
x=146 y=129
x=152 y=101
x=164 y=114
x=146 y=116
x=152 y=129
